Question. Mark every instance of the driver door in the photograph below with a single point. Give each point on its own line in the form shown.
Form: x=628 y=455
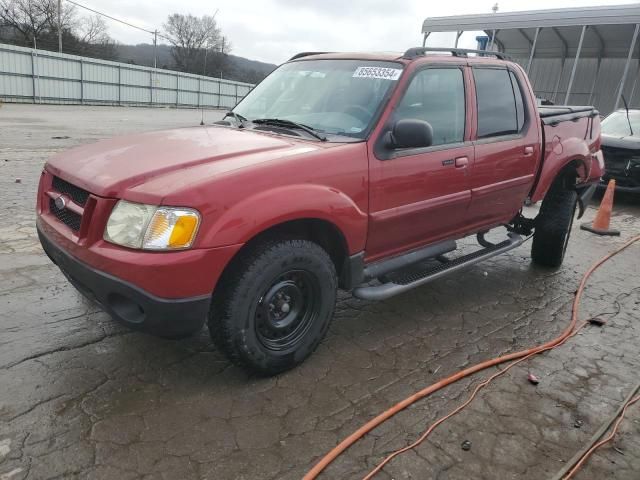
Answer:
x=422 y=195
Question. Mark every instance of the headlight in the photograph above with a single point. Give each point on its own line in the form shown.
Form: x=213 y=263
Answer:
x=149 y=227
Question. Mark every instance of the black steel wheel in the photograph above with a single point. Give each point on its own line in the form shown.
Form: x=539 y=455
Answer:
x=274 y=305
x=286 y=311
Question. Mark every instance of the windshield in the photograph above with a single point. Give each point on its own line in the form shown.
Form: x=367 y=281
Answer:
x=618 y=125
x=338 y=97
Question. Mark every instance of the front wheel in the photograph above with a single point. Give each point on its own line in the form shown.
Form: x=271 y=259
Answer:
x=553 y=225
x=274 y=306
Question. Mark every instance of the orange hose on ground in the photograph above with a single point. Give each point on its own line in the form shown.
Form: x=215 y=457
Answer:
x=603 y=441
x=370 y=425
x=457 y=410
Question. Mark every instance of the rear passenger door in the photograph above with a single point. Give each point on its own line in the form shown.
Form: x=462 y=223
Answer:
x=507 y=146
x=421 y=195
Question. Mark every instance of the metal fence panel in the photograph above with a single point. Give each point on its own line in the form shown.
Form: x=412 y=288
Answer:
x=39 y=76
x=210 y=99
x=19 y=64
x=188 y=99
x=189 y=84
x=544 y=77
x=99 y=93
x=135 y=77
x=136 y=95
x=16 y=87
x=93 y=72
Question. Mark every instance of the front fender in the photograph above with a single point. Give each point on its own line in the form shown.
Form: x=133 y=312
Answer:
x=559 y=154
x=255 y=214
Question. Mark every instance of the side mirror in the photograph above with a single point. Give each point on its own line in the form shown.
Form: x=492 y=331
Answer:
x=411 y=133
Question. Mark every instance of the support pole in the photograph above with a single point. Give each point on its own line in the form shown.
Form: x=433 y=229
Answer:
x=575 y=65
x=493 y=39
x=595 y=80
x=34 y=64
x=565 y=52
x=119 y=85
x=555 y=90
x=601 y=53
x=60 y=26
x=33 y=75
x=533 y=49
x=424 y=39
x=155 y=49
x=458 y=35
x=81 y=82
x=626 y=66
x=204 y=65
x=633 y=88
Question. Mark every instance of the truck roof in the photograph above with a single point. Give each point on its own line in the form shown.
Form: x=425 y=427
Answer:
x=412 y=54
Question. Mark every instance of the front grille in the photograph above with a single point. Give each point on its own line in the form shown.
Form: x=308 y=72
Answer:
x=77 y=194
x=69 y=218
x=622 y=165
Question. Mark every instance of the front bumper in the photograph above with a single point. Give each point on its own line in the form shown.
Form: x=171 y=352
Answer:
x=620 y=188
x=127 y=303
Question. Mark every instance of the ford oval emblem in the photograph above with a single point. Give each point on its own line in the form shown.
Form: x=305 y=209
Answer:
x=60 y=203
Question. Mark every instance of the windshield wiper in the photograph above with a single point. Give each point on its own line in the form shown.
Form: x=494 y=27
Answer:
x=237 y=117
x=282 y=122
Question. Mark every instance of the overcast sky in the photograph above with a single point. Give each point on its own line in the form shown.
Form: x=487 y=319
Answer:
x=274 y=30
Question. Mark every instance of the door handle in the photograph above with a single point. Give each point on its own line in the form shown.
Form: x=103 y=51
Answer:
x=462 y=162
x=528 y=150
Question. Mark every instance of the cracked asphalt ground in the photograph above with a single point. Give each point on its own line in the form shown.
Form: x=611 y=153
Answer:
x=82 y=397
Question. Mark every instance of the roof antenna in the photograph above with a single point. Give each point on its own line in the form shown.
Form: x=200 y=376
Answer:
x=495 y=8
x=626 y=106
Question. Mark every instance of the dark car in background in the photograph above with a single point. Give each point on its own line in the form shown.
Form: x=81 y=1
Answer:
x=621 y=149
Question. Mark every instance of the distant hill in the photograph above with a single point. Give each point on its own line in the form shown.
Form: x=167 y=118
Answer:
x=236 y=68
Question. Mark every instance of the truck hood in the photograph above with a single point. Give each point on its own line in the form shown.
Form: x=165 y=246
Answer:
x=616 y=141
x=109 y=167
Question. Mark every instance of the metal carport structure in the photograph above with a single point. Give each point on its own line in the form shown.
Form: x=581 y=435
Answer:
x=573 y=55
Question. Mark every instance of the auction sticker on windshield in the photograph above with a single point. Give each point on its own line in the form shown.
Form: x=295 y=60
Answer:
x=377 y=72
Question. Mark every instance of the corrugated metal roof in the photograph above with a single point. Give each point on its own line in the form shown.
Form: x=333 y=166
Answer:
x=600 y=72
x=609 y=33
x=559 y=17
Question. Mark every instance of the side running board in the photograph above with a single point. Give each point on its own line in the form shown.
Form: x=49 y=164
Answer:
x=403 y=282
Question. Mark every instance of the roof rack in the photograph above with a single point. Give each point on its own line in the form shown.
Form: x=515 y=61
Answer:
x=305 y=54
x=456 y=52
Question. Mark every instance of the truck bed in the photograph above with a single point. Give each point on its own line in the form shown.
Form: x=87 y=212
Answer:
x=568 y=132
x=560 y=113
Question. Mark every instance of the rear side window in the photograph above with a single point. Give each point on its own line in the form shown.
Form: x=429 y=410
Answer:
x=436 y=95
x=519 y=102
x=500 y=104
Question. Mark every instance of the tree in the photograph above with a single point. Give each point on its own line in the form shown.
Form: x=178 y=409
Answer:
x=33 y=18
x=32 y=23
x=93 y=30
x=193 y=39
x=93 y=39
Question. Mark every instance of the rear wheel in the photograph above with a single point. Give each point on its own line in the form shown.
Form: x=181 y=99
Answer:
x=274 y=305
x=553 y=225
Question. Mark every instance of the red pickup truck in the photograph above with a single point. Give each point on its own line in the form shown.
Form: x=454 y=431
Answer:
x=352 y=171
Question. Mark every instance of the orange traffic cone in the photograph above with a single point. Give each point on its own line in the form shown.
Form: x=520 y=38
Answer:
x=600 y=225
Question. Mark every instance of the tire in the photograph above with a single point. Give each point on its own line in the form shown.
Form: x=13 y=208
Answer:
x=274 y=305
x=553 y=225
